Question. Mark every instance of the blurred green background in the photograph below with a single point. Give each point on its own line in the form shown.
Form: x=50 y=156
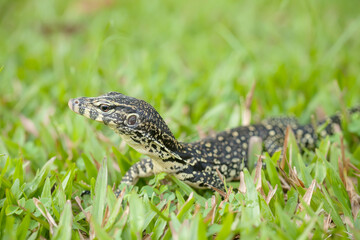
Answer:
x=195 y=61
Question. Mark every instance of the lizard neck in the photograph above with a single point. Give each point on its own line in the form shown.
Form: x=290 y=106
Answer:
x=157 y=144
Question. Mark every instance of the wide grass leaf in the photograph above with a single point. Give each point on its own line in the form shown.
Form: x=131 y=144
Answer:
x=19 y=173
x=225 y=231
x=64 y=229
x=137 y=215
x=251 y=210
x=23 y=228
x=97 y=211
x=90 y=167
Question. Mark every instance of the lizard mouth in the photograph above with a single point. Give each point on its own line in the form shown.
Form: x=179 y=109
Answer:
x=83 y=107
x=74 y=105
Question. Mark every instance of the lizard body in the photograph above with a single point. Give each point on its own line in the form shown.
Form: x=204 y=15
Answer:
x=142 y=127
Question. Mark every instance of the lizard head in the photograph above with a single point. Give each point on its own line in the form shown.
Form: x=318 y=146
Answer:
x=136 y=121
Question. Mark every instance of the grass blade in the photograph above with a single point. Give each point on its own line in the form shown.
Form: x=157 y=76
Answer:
x=64 y=229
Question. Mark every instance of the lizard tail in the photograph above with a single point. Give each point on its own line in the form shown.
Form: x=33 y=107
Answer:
x=354 y=110
x=334 y=122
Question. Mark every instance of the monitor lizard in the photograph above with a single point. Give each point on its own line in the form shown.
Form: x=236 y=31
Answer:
x=196 y=163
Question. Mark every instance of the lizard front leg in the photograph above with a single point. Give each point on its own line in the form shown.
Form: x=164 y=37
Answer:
x=143 y=168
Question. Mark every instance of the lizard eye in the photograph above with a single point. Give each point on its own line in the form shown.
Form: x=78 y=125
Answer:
x=132 y=119
x=104 y=107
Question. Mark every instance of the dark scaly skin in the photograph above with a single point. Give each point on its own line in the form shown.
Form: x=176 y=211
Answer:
x=195 y=163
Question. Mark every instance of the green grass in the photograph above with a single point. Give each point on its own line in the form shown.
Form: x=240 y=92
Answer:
x=195 y=61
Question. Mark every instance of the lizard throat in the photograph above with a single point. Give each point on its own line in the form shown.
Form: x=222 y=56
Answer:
x=147 y=146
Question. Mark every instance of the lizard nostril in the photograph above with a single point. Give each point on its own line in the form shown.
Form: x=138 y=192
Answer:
x=76 y=102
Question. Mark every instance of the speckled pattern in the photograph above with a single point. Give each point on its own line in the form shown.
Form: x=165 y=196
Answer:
x=142 y=127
